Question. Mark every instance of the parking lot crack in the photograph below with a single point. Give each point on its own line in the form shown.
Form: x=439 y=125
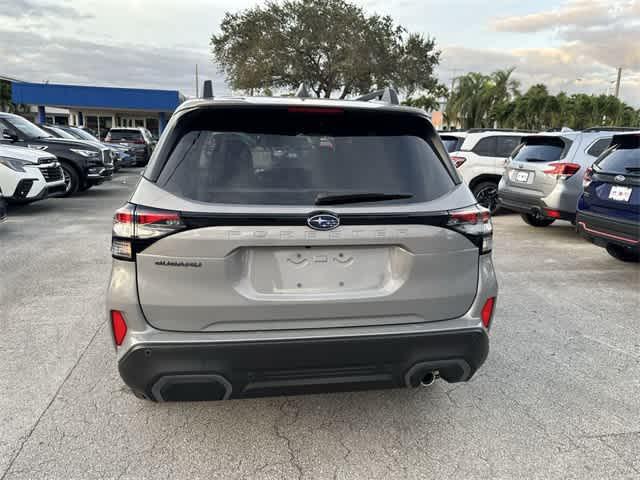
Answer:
x=279 y=428
x=51 y=400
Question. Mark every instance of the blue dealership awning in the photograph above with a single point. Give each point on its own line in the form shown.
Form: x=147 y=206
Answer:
x=80 y=96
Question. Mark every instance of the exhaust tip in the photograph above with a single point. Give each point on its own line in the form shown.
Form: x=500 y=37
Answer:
x=191 y=388
x=428 y=379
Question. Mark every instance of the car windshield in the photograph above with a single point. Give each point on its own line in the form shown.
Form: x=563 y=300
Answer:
x=28 y=129
x=262 y=166
x=82 y=134
x=62 y=133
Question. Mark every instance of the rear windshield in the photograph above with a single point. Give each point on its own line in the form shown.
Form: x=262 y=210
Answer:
x=548 y=149
x=280 y=159
x=451 y=143
x=620 y=160
x=117 y=135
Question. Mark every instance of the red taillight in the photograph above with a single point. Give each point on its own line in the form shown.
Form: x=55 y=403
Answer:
x=322 y=110
x=118 y=326
x=487 y=311
x=143 y=218
x=586 y=180
x=457 y=161
x=131 y=223
x=123 y=216
x=562 y=169
x=475 y=224
x=552 y=213
x=470 y=216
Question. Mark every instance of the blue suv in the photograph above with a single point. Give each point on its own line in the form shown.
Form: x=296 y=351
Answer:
x=609 y=209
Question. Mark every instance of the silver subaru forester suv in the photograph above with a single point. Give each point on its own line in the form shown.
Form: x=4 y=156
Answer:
x=543 y=177
x=289 y=245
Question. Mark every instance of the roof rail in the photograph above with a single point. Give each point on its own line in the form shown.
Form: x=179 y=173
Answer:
x=386 y=95
x=303 y=91
x=611 y=129
x=515 y=130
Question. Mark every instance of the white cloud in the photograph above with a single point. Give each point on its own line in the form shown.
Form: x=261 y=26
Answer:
x=593 y=39
x=568 y=69
x=574 y=12
x=67 y=60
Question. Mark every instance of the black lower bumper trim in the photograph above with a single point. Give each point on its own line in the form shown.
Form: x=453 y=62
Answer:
x=56 y=189
x=253 y=369
x=603 y=231
x=540 y=211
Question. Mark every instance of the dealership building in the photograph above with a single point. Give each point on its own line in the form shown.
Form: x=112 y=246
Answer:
x=97 y=108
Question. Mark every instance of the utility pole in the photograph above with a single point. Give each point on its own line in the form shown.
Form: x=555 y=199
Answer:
x=618 y=82
x=197 y=83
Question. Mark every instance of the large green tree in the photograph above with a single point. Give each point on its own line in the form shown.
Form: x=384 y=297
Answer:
x=331 y=45
x=481 y=100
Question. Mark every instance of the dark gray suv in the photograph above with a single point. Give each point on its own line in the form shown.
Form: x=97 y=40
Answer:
x=289 y=245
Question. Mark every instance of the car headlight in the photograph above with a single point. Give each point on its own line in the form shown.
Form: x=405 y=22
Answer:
x=13 y=164
x=85 y=153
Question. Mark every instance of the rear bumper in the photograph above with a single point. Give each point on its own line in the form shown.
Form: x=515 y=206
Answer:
x=213 y=371
x=603 y=231
x=533 y=206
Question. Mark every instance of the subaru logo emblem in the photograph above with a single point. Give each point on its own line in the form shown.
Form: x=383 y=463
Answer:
x=619 y=178
x=323 y=221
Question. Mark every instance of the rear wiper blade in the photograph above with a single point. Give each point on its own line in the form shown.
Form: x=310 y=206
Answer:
x=632 y=169
x=535 y=160
x=340 y=198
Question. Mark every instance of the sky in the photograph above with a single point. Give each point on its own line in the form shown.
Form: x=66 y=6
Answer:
x=569 y=45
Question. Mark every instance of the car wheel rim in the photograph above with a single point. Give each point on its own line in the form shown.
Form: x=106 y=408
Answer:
x=67 y=180
x=487 y=197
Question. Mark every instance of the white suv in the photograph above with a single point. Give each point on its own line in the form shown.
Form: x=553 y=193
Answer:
x=481 y=159
x=27 y=175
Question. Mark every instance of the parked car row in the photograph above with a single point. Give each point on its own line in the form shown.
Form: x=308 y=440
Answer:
x=37 y=161
x=550 y=176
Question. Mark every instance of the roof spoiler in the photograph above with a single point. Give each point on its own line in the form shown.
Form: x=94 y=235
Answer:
x=627 y=140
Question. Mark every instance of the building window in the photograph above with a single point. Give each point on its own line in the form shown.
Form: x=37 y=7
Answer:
x=152 y=126
x=104 y=125
x=91 y=122
x=98 y=124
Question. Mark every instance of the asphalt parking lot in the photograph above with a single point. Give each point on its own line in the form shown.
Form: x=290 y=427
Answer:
x=559 y=396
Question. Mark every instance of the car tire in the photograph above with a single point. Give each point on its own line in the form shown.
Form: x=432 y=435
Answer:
x=536 y=220
x=85 y=187
x=71 y=180
x=486 y=194
x=623 y=254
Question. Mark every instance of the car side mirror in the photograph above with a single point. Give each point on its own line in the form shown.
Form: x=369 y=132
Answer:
x=12 y=137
